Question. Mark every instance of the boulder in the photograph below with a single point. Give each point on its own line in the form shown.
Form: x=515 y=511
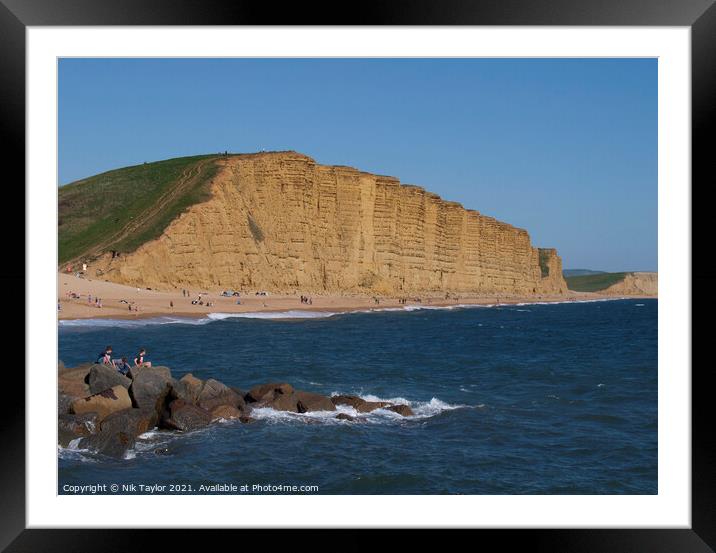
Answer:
x=64 y=403
x=188 y=388
x=359 y=404
x=73 y=382
x=104 y=403
x=245 y=419
x=185 y=416
x=102 y=377
x=226 y=412
x=401 y=410
x=344 y=417
x=299 y=402
x=150 y=388
x=268 y=392
x=163 y=371
x=118 y=432
x=308 y=401
x=215 y=393
x=71 y=427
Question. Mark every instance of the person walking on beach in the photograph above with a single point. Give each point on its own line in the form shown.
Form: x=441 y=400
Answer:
x=139 y=359
x=105 y=358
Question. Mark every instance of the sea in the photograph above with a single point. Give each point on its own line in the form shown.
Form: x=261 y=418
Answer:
x=533 y=398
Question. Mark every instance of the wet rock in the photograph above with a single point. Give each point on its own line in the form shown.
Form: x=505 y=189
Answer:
x=245 y=419
x=64 y=403
x=401 y=410
x=268 y=392
x=118 y=432
x=101 y=377
x=185 y=416
x=104 y=403
x=227 y=412
x=308 y=401
x=70 y=427
x=215 y=393
x=344 y=417
x=358 y=403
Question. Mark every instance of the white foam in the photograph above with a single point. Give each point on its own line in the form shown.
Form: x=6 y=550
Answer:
x=299 y=314
x=290 y=314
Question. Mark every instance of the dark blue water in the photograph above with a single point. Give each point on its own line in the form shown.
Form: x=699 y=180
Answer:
x=533 y=399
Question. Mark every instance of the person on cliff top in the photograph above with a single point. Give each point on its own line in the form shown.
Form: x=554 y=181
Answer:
x=139 y=359
x=105 y=358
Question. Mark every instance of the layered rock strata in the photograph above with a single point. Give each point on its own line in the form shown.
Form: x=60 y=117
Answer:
x=282 y=222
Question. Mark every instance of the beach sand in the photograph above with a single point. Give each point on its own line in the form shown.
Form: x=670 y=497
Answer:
x=117 y=298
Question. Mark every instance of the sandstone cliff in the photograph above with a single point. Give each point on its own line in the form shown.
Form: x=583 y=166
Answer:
x=282 y=222
x=635 y=284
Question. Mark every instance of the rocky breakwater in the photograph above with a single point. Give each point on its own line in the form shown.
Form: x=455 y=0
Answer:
x=101 y=410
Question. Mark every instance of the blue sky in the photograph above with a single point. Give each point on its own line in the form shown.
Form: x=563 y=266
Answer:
x=565 y=148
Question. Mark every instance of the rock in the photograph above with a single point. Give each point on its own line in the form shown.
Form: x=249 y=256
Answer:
x=268 y=392
x=344 y=417
x=64 y=403
x=359 y=404
x=73 y=382
x=163 y=371
x=71 y=427
x=149 y=389
x=298 y=402
x=308 y=401
x=60 y=366
x=104 y=403
x=215 y=393
x=401 y=410
x=426 y=236
x=188 y=388
x=245 y=419
x=118 y=432
x=227 y=412
x=102 y=377
x=185 y=416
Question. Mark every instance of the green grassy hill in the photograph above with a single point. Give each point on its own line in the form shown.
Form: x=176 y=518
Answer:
x=121 y=209
x=580 y=272
x=593 y=283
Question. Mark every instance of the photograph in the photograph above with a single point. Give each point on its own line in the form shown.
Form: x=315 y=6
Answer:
x=357 y=276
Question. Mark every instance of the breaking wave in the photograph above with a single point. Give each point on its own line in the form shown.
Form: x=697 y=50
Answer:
x=297 y=314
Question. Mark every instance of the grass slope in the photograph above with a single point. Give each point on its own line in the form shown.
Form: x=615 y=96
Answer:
x=122 y=209
x=593 y=283
x=580 y=272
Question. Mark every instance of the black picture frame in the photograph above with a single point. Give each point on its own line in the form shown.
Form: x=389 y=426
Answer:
x=699 y=15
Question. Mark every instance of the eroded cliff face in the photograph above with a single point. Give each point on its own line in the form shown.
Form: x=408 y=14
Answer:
x=282 y=222
x=636 y=284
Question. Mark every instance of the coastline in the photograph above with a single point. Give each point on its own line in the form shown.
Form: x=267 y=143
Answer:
x=117 y=298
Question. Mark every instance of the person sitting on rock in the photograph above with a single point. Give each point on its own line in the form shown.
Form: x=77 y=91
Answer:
x=124 y=366
x=139 y=359
x=105 y=358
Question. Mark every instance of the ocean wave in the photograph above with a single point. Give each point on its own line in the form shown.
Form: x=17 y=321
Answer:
x=298 y=314
x=290 y=314
x=421 y=410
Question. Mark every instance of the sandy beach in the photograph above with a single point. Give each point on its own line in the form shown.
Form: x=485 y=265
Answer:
x=117 y=299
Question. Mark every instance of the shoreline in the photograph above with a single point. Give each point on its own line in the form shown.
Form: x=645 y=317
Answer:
x=146 y=304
